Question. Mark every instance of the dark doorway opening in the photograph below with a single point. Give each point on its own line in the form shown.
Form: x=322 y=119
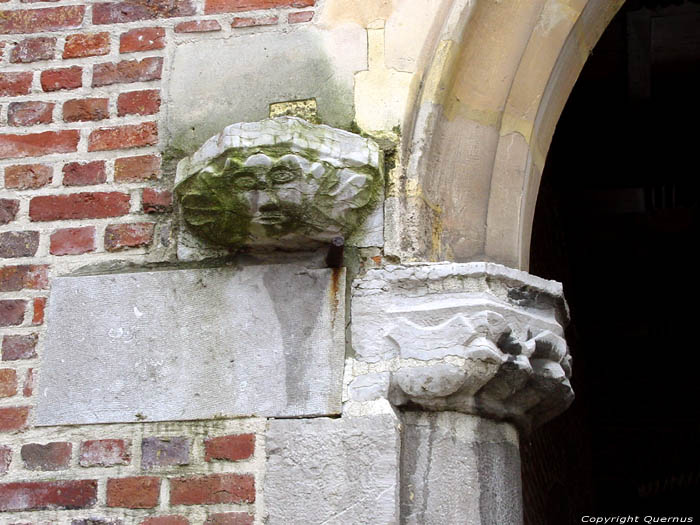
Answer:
x=617 y=223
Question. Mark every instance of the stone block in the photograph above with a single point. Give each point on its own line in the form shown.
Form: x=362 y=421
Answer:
x=189 y=344
x=333 y=471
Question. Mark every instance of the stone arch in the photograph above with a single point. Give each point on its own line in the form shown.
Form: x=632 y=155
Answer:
x=476 y=139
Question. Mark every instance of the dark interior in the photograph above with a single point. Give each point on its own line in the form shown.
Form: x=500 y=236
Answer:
x=617 y=223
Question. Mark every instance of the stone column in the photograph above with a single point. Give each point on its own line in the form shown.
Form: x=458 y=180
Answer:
x=471 y=355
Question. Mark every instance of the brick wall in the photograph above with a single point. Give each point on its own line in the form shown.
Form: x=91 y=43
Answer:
x=82 y=182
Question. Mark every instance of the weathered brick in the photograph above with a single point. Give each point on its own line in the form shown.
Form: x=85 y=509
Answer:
x=28 y=176
x=121 y=137
x=29 y=113
x=38 y=144
x=134 y=10
x=84 y=174
x=145 y=102
x=245 y=21
x=11 y=312
x=52 y=456
x=231 y=6
x=231 y=448
x=54 y=495
x=127 y=71
x=11 y=419
x=212 y=489
x=135 y=235
x=230 y=518
x=164 y=452
x=14 y=84
x=142 y=39
x=18 y=244
x=86 y=45
x=73 y=241
x=33 y=49
x=63 y=78
x=80 y=110
x=137 y=169
x=97 y=205
x=28 y=387
x=104 y=453
x=300 y=17
x=8 y=210
x=155 y=201
x=197 y=26
x=133 y=493
x=8 y=382
x=41 y=20
x=6 y=459
x=16 y=347
x=31 y=276
x=166 y=520
x=39 y=305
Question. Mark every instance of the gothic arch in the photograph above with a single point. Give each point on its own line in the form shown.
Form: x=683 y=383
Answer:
x=476 y=140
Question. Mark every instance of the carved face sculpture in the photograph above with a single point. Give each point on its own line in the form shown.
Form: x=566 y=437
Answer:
x=252 y=196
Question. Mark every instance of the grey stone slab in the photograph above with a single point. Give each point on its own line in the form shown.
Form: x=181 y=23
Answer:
x=459 y=469
x=333 y=471
x=193 y=344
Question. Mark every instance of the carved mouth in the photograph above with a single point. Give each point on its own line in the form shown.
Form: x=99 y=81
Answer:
x=271 y=217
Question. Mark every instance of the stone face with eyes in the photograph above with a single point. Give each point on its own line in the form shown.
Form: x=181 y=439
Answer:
x=269 y=195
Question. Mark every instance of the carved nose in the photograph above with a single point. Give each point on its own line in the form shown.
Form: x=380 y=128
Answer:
x=267 y=201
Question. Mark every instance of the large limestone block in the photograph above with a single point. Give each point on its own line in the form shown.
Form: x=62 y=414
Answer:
x=333 y=471
x=193 y=344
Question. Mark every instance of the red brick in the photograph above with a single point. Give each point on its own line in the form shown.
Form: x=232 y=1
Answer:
x=127 y=71
x=119 y=236
x=39 y=305
x=299 y=17
x=52 y=456
x=41 y=20
x=129 y=136
x=166 y=520
x=37 y=144
x=11 y=419
x=139 y=102
x=64 y=78
x=133 y=493
x=11 y=314
x=28 y=176
x=133 y=10
x=14 y=84
x=142 y=39
x=80 y=110
x=6 y=459
x=29 y=113
x=77 y=174
x=18 y=244
x=249 y=22
x=16 y=347
x=197 y=26
x=44 y=495
x=33 y=49
x=28 y=388
x=231 y=6
x=97 y=205
x=231 y=448
x=73 y=241
x=32 y=276
x=8 y=382
x=86 y=45
x=155 y=201
x=104 y=453
x=212 y=489
x=8 y=210
x=137 y=169
x=230 y=518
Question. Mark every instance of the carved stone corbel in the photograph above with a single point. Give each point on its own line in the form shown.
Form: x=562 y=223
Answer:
x=474 y=338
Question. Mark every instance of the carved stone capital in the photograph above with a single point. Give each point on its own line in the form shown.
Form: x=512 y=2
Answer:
x=477 y=338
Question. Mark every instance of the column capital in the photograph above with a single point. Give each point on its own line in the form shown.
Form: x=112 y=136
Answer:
x=477 y=338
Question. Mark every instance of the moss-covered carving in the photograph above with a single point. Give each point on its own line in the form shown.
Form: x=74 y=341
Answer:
x=281 y=182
